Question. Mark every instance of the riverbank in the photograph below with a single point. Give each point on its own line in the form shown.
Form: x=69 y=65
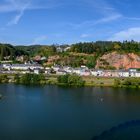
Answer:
x=89 y=81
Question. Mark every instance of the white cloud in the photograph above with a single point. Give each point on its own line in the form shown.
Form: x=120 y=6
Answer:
x=17 y=18
x=17 y=5
x=20 y=6
x=129 y=34
x=132 y=18
x=12 y=6
x=96 y=22
x=109 y=18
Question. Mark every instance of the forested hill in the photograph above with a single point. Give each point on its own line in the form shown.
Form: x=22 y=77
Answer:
x=100 y=54
x=102 y=47
x=9 y=51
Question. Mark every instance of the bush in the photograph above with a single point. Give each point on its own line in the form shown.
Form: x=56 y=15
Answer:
x=70 y=80
x=4 y=79
x=128 y=82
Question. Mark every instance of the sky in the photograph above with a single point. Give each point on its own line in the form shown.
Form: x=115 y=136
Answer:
x=27 y=22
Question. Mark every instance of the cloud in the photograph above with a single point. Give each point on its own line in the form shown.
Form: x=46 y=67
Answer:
x=102 y=6
x=17 y=18
x=129 y=34
x=39 y=40
x=91 y=23
x=20 y=6
x=109 y=18
x=17 y=5
x=132 y=18
x=12 y=6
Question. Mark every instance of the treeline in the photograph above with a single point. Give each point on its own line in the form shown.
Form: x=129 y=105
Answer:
x=42 y=50
x=30 y=79
x=101 y=47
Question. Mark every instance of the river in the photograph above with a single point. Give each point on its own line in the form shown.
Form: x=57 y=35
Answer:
x=57 y=113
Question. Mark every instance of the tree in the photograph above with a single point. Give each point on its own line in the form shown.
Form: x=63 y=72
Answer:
x=70 y=80
x=117 y=47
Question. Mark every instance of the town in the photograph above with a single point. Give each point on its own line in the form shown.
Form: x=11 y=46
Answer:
x=63 y=70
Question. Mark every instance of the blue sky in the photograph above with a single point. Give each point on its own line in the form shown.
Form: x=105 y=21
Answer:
x=68 y=21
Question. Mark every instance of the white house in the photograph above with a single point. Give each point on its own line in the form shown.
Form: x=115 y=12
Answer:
x=77 y=71
x=132 y=70
x=137 y=74
x=61 y=72
x=6 y=66
x=94 y=72
x=59 y=49
x=124 y=74
x=47 y=70
x=36 y=71
x=85 y=73
x=56 y=68
x=100 y=73
x=37 y=66
x=68 y=69
x=66 y=49
x=20 y=67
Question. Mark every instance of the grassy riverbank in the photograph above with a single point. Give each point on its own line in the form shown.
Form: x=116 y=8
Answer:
x=71 y=80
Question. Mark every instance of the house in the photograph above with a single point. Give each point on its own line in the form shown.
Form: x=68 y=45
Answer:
x=100 y=73
x=36 y=71
x=37 y=58
x=6 y=66
x=59 y=49
x=84 y=67
x=56 y=67
x=124 y=74
x=20 y=58
x=132 y=70
x=25 y=67
x=94 y=72
x=66 y=49
x=43 y=58
x=115 y=73
x=68 y=69
x=61 y=72
x=85 y=73
x=110 y=73
x=106 y=73
x=77 y=71
x=36 y=66
x=137 y=74
x=48 y=70
x=19 y=67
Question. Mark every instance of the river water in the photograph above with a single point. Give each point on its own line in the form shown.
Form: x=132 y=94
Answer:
x=56 y=113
